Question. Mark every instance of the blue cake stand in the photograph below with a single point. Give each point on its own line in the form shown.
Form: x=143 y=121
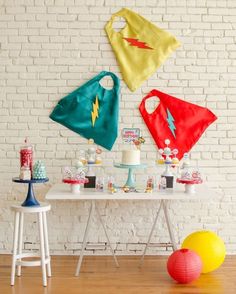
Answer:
x=130 y=180
x=30 y=198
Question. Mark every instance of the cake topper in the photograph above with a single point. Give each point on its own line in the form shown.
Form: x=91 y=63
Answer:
x=130 y=134
x=138 y=142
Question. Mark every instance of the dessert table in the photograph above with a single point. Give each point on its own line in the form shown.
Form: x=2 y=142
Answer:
x=62 y=192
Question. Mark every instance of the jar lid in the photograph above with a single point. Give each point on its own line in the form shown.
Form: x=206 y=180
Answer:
x=26 y=145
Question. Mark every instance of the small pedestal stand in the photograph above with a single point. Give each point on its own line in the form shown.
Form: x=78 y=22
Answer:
x=130 y=180
x=189 y=184
x=75 y=184
x=30 y=199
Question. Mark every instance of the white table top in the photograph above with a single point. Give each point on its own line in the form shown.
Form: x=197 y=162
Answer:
x=62 y=192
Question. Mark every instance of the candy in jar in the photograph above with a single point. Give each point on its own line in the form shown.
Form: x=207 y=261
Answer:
x=99 y=184
x=110 y=183
x=150 y=184
x=39 y=170
x=26 y=156
x=25 y=173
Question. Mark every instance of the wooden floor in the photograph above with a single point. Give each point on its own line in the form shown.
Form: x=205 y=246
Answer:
x=100 y=276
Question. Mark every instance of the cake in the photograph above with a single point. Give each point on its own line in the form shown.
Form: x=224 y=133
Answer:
x=130 y=157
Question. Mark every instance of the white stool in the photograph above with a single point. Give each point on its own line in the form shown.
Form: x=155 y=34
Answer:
x=43 y=257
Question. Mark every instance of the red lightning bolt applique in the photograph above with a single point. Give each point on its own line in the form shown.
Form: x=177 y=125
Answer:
x=137 y=43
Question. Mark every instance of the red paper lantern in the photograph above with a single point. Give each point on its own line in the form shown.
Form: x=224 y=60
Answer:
x=184 y=266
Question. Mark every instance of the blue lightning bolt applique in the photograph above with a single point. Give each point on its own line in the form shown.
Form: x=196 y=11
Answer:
x=171 y=120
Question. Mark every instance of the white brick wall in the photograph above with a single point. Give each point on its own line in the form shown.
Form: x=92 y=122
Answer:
x=50 y=47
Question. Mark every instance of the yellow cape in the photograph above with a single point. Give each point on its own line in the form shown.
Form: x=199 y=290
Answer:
x=140 y=47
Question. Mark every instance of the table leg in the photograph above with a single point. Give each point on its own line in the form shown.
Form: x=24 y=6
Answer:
x=108 y=240
x=91 y=212
x=167 y=217
x=152 y=230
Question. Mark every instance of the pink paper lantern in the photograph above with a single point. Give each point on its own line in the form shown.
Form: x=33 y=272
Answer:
x=184 y=266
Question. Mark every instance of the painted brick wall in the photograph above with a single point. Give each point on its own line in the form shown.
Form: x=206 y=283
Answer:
x=50 y=47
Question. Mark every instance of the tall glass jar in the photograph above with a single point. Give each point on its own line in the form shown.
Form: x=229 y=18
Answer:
x=26 y=156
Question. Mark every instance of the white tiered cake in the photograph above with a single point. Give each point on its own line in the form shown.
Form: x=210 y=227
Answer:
x=130 y=157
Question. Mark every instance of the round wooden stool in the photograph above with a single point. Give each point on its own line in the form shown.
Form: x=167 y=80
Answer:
x=18 y=256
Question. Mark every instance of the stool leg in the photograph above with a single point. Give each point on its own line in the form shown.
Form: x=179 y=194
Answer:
x=20 y=241
x=15 y=242
x=45 y=227
x=42 y=250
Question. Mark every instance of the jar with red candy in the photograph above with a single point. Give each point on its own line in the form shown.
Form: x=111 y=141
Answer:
x=26 y=156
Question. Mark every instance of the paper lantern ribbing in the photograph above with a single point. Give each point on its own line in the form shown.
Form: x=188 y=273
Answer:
x=209 y=247
x=184 y=266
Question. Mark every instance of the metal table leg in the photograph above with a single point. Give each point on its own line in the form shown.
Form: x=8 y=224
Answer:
x=93 y=209
x=151 y=233
x=170 y=230
x=108 y=240
x=163 y=205
x=91 y=212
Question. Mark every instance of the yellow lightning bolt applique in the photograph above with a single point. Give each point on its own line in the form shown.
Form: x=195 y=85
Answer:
x=94 y=113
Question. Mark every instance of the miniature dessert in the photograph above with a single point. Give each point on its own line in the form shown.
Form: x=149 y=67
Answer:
x=82 y=157
x=79 y=164
x=175 y=160
x=161 y=159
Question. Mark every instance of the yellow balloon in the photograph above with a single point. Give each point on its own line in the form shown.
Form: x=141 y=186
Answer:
x=209 y=247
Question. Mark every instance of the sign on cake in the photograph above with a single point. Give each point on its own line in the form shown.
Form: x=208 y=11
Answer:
x=130 y=134
x=131 y=156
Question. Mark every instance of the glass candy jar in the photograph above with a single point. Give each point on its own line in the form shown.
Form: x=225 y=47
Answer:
x=26 y=156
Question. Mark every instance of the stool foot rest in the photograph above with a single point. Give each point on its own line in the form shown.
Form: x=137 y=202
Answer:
x=30 y=262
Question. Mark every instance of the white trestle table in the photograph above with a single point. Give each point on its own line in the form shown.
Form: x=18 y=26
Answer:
x=63 y=192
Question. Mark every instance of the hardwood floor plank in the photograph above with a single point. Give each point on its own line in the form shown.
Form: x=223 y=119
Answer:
x=100 y=276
